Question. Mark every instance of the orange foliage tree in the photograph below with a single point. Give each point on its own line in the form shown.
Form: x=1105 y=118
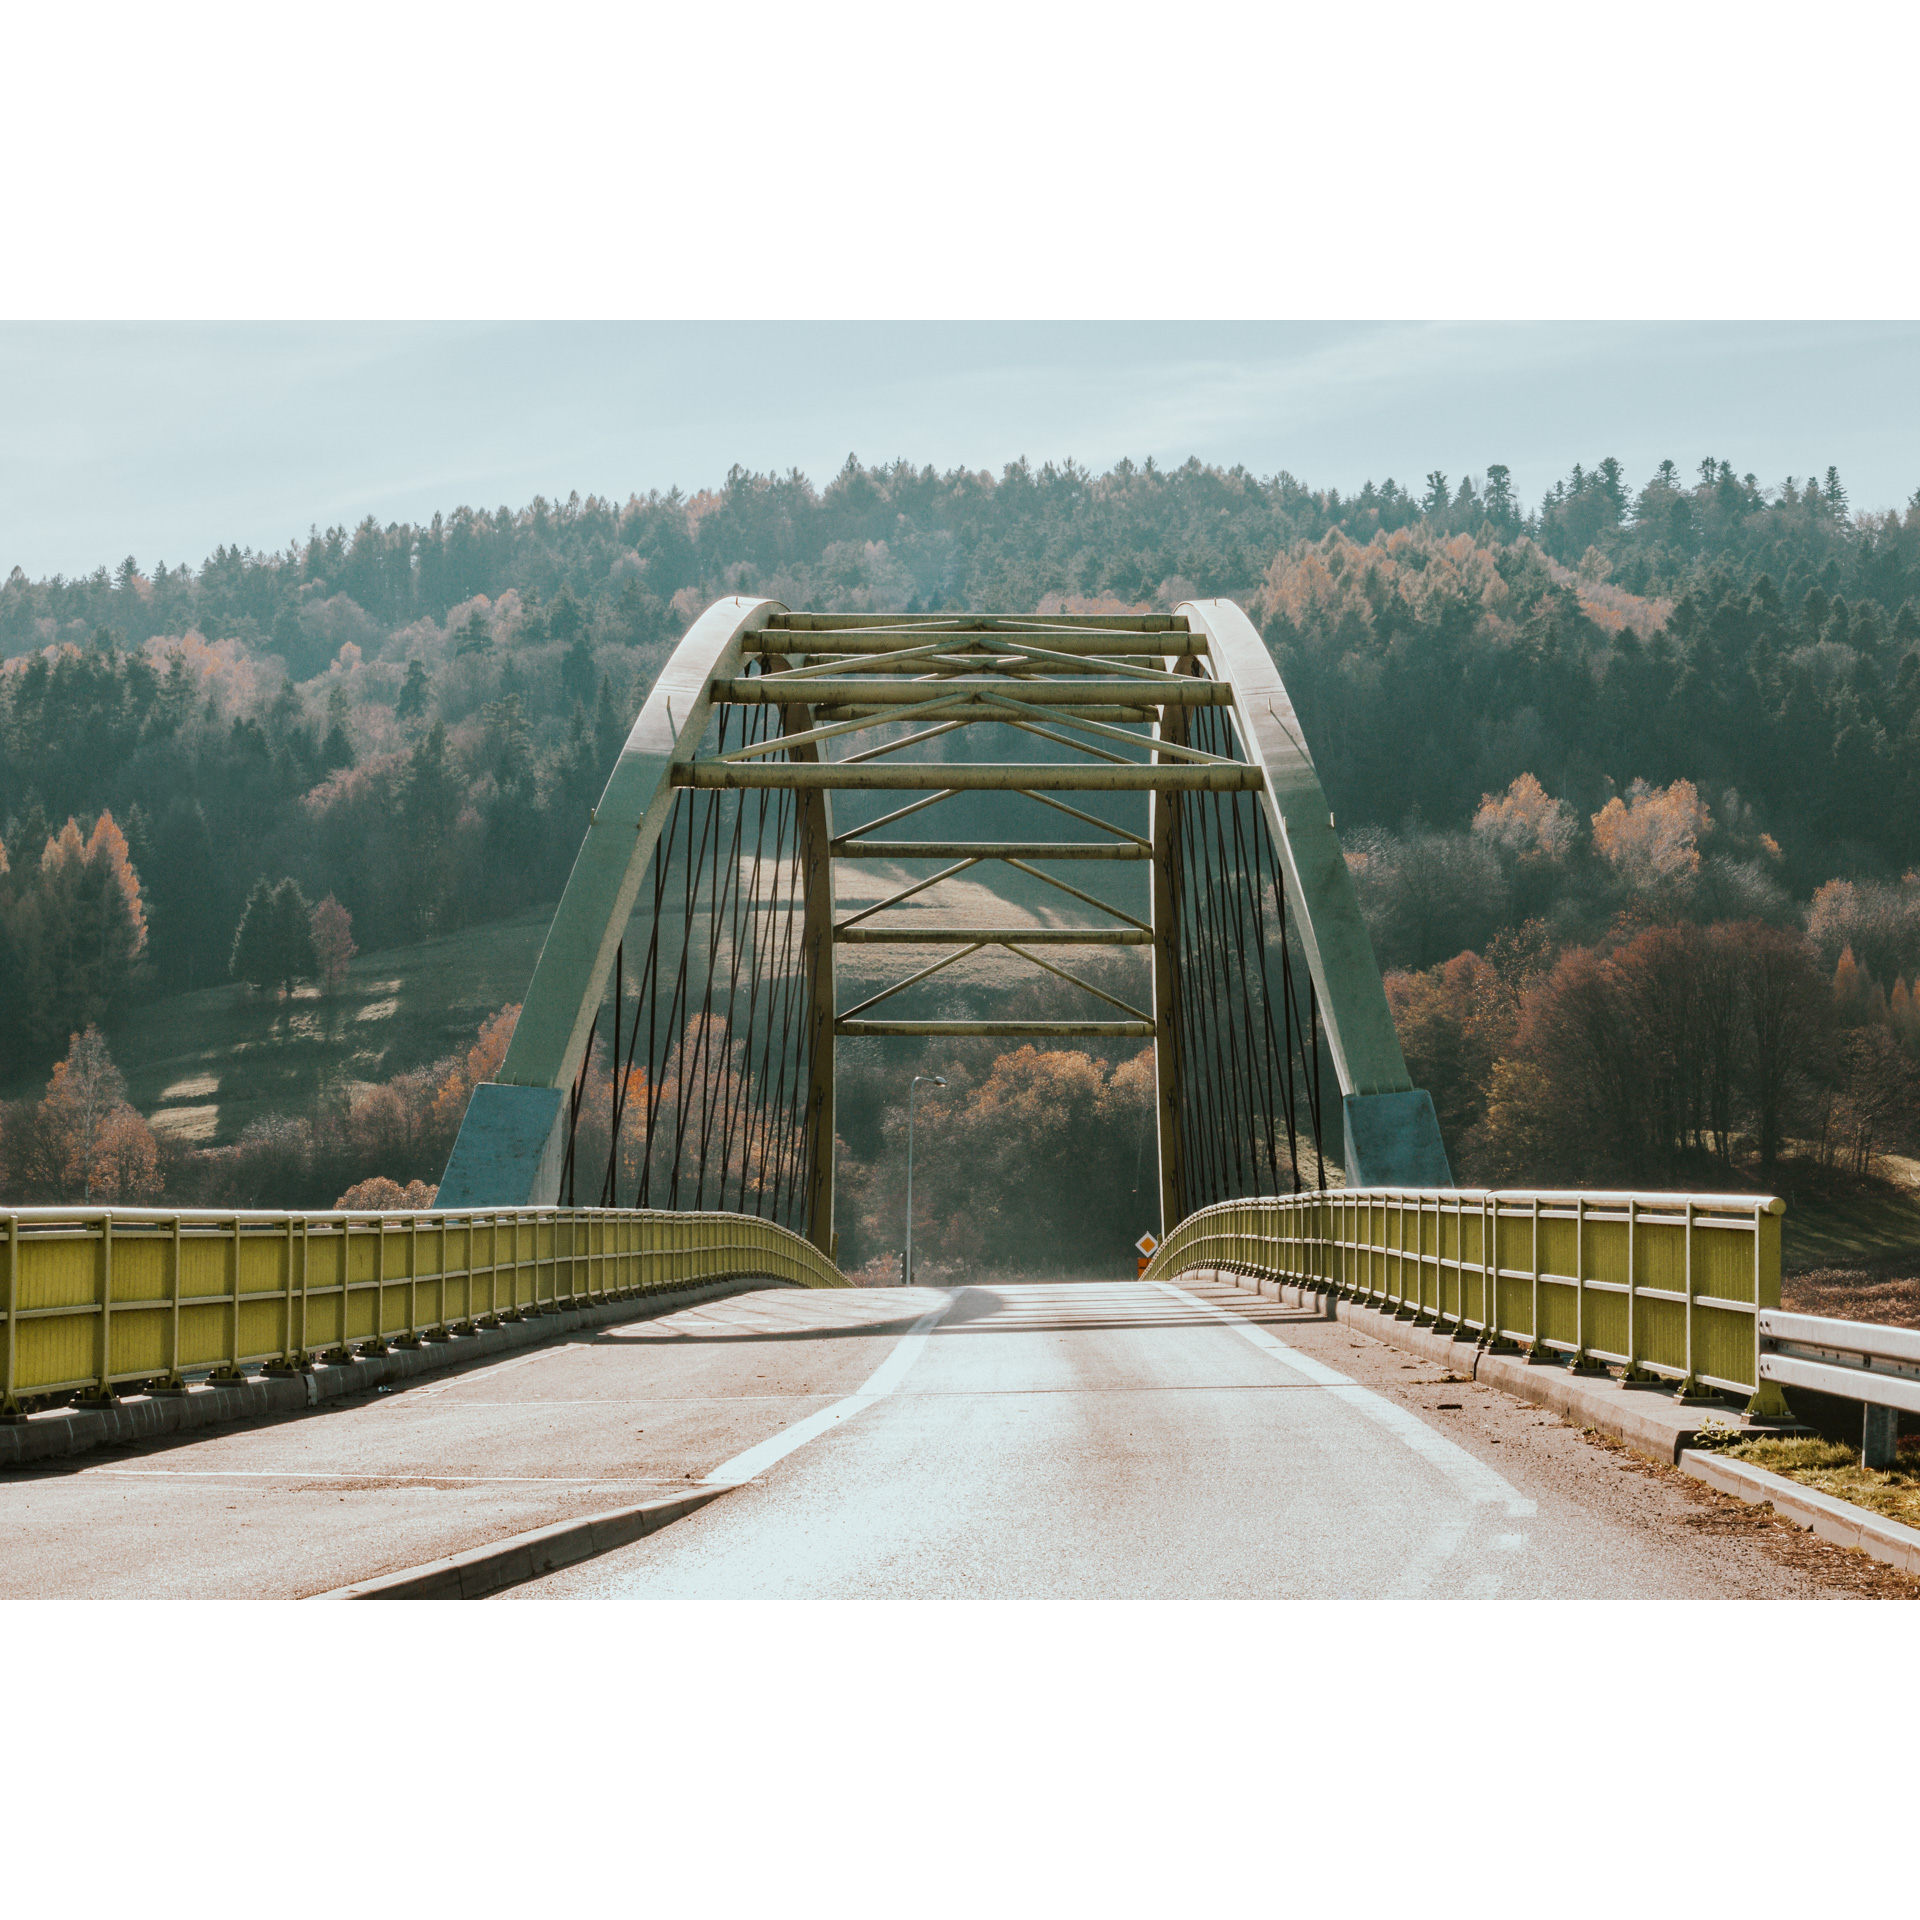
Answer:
x=1652 y=838
x=77 y=929
x=333 y=945
x=100 y=1150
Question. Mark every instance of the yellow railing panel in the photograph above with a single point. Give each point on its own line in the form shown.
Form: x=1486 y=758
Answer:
x=91 y=1298
x=1668 y=1284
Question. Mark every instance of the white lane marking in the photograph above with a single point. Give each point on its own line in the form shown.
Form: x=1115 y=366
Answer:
x=1439 y=1547
x=1474 y=1478
x=304 y=1473
x=881 y=1382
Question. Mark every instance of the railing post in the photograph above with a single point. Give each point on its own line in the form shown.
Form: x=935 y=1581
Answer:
x=1536 y=1346
x=232 y=1369
x=175 y=1383
x=1769 y=1400
x=342 y=1351
x=1633 y=1294
x=413 y=1281
x=378 y=1344
x=1690 y=1387
x=9 y=1403
x=1583 y=1362
x=101 y=1392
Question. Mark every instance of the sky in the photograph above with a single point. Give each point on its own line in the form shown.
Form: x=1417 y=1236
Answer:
x=165 y=440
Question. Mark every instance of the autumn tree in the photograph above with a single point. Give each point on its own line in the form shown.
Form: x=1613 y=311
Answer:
x=1652 y=838
x=1903 y=1013
x=104 y=1151
x=76 y=932
x=381 y=1195
x=331 y=927
x=1526 y=822
x=1454 y=1021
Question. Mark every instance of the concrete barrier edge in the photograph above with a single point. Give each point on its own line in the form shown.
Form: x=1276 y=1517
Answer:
x=1837 y=1520
x=482 y=1571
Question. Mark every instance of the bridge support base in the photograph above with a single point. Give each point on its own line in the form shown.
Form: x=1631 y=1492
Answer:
x=510 y=1150
x=1393 y=1140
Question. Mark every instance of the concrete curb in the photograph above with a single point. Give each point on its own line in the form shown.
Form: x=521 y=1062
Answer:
x=1837 y=1520
x=481 y=1571
x=54 y=1436
x=1647 y=1420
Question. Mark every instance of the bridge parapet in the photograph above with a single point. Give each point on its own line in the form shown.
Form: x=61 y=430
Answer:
x=1668 y=1285
x=97 y=1298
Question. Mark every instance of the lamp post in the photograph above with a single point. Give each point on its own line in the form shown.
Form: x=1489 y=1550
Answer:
x=906 y=1271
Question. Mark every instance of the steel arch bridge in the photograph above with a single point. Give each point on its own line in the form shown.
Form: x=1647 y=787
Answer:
x=716 y=827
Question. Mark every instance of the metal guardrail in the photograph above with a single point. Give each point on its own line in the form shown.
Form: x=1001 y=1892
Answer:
x=1854 y=1359
x=97 y=1297
x=1669 y=1285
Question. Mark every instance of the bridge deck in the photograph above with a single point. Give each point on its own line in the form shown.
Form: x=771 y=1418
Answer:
x=600 y=1418
x=1064 y=1441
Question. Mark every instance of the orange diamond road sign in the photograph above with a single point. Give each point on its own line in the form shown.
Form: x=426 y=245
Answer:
x=1144 y=1247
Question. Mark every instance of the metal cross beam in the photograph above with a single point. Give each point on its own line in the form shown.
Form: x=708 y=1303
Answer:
x=716 y=814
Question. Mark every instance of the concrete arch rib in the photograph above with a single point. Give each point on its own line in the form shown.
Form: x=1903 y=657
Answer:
x=513 y=1140
x=1391 y=1134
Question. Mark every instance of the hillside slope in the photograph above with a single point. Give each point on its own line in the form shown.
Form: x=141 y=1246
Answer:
x=202 y=1065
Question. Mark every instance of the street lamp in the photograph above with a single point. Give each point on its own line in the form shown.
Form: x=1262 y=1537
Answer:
x=906 y=1271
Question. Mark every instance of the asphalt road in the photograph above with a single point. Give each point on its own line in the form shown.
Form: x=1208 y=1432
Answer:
x=1066 y=1441
x=1124 y=1442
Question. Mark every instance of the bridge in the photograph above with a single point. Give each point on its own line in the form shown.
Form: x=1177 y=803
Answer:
x=733 y=855
x=1237 y=1420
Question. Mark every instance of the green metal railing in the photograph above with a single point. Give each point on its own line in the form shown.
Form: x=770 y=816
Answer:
x=95 y=1297
x=1668 y=1285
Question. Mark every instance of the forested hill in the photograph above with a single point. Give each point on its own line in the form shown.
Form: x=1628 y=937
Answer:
x=905 y=536
x=415 y=719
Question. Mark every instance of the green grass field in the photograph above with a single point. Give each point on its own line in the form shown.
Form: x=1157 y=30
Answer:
x=203 y=1064
x=1857 y=1230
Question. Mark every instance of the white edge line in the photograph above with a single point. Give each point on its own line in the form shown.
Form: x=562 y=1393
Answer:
x=881 y=1382
x=1472 y=1476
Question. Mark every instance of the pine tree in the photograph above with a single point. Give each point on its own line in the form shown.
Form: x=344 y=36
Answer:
x=412 y=704
x=291 y=922
x=475 y=636
x=253 y=957
x=609 y=736
x=336 y=750
x=564 y=619
x=576 y=669
x=273 y=944
x=429 y=805
x=1502 y=510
